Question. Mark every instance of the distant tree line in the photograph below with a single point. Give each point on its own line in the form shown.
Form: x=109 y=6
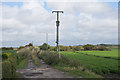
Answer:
x=94 y=47
x=7 y=48
x=11 y=48
x=74 y=48
x=45 y=46
x=106 y=45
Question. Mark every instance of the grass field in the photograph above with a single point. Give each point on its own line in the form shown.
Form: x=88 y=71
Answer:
x=8 y=51
x=112 y=54
x=96 y=64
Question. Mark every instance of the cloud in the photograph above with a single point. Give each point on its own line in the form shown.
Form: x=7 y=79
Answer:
x=81 y=23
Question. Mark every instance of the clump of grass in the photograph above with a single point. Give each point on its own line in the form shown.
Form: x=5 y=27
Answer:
x=18 y=75
x=22 y=64
x=35 y=58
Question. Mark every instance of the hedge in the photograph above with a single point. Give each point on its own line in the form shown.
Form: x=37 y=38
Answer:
x=8 y=69
x=9 y=65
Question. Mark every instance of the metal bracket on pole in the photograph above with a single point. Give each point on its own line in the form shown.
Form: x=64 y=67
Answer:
x=57 y=23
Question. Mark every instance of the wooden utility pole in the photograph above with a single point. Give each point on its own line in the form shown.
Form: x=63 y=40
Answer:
x=57 y=24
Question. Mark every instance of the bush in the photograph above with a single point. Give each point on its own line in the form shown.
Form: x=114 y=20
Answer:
x=4 y=56
x=50 y=58
x=9 y=68
x=52 y=48
x=10 y=63
x=13 y=66
x=20 y=55
x=53 y=59
x=30 y=44
x=88 y=47
x=77 y=48
x=6 y=69
x=61 y=48
x=45 y=46
x=7 y=48
x=21 y=47
x=102 y=48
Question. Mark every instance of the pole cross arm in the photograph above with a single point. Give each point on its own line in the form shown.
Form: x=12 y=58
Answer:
x=57 y=23
x=57 y=11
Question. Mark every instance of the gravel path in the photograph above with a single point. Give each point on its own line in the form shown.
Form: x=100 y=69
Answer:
x=44 y=71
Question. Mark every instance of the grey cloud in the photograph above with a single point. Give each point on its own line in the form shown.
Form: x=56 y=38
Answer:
x=93 y=23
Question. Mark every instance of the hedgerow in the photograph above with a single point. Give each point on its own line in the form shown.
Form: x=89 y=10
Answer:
x=9 y=68
x=9 y=65
x=53 y=59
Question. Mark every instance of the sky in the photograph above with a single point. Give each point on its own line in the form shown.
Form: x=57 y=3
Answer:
x=81 y=23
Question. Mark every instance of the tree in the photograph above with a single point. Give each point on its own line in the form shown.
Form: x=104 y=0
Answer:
x=30 y=44
x=45 y=46
x=88 y=47
x=102 y=48
x=66 y=48
x=52 y=48
x=77 y=48
x=61 y=48
x=7 y=48
x=21 y=47
x=71 y=47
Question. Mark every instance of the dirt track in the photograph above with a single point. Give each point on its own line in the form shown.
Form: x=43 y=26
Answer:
x=44 y=71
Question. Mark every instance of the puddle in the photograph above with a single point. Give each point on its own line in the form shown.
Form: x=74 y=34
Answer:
x=29 y=74
x=40 y=72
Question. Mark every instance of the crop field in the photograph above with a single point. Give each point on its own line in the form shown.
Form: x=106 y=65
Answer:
x=98 y=65
x=112 y=54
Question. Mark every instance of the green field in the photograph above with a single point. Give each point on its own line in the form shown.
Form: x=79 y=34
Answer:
x=112 y=54
x=96 y=64
x=8 y=51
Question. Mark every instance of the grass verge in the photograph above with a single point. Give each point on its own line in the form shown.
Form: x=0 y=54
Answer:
x=22 y=64
x=35 y=58
x=19 y=75
x=77 y=72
